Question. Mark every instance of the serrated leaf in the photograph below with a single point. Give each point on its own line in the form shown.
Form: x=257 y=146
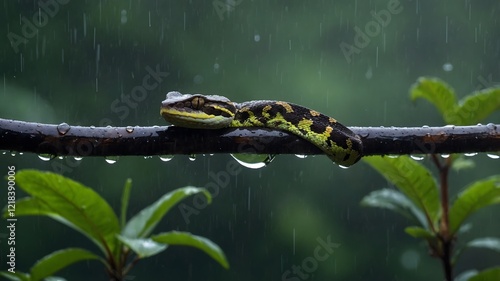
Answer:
x=474 y=197
x=70 y=203
x=476 y=107
x=492 y=274
x=188 y=239
x=419 y=232
x=411 y=178
x=395 y=201
x=143 y=247
x=437 y=92
x=58 y=260
x=142 y=224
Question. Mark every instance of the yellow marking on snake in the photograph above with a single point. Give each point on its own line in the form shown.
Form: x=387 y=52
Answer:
x=314 y=113
x=286 y=105
x=338 y=142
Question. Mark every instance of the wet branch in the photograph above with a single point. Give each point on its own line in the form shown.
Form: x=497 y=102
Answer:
x=169 y=140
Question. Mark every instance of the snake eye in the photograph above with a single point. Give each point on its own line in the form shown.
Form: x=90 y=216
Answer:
x=197 y=102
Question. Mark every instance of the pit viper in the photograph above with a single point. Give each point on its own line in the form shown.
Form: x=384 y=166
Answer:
x=198 y=111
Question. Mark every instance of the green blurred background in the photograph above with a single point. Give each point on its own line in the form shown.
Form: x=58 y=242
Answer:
x=83 y=59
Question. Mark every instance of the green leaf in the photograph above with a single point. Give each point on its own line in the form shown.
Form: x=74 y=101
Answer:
x=145 y=221
x=490 y=243
x=143 y=247
x=125 y=199
x=419 y=232
x=70 y=203
x=18 y=276
x=436 y=91
x=462 y=163
x=492 y=274
x=472 y=109
x=413 y=179
x=476 y=107
x=54 y=278
x=466 y=275
x=58 y=260
x=474 y=197
x=188 y=239
x=395 y=201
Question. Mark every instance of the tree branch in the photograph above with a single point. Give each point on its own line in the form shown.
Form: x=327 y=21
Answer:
x=168 y=140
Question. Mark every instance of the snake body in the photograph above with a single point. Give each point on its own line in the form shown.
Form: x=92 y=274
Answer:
x=338 y=142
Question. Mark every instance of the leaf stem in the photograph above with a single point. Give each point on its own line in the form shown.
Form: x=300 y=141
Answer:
x=444 y=234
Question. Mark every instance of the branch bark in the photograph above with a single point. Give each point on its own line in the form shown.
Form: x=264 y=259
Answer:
x=65 y=140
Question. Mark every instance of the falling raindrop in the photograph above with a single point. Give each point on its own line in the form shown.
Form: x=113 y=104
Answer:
x=63 y=128
x=166 y=158
x=129 y=129
x=256 y=37
x=447 y=67
x=45 y=157
x=198 y=79
x=417 y=157
x=192 y=157
x=111 y=159
x=253 y=161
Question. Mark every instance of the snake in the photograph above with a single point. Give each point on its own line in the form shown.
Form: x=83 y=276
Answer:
x=199 y=111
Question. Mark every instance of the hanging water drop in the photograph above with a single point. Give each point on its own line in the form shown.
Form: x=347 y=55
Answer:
x=445 y=156
x=493 y=155
x=166 y=158
x=148 y=157
x=63 y=128
x=45 y=157
x=417 y=157
x=393 y=156
x=470 y=154
x=343 y=167
x=192 y=157
x=301 y=156
x=111 y=159
x=129 y=129
x=12 y=153
x=253 y=161
x=77 y=158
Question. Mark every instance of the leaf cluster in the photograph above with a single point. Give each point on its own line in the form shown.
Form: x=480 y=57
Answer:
x=417 y=193
x=121 y=243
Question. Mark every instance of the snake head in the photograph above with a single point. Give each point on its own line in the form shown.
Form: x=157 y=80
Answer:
x=197 y=111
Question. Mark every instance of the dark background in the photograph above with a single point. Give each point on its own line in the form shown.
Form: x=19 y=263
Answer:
x=83 y=60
